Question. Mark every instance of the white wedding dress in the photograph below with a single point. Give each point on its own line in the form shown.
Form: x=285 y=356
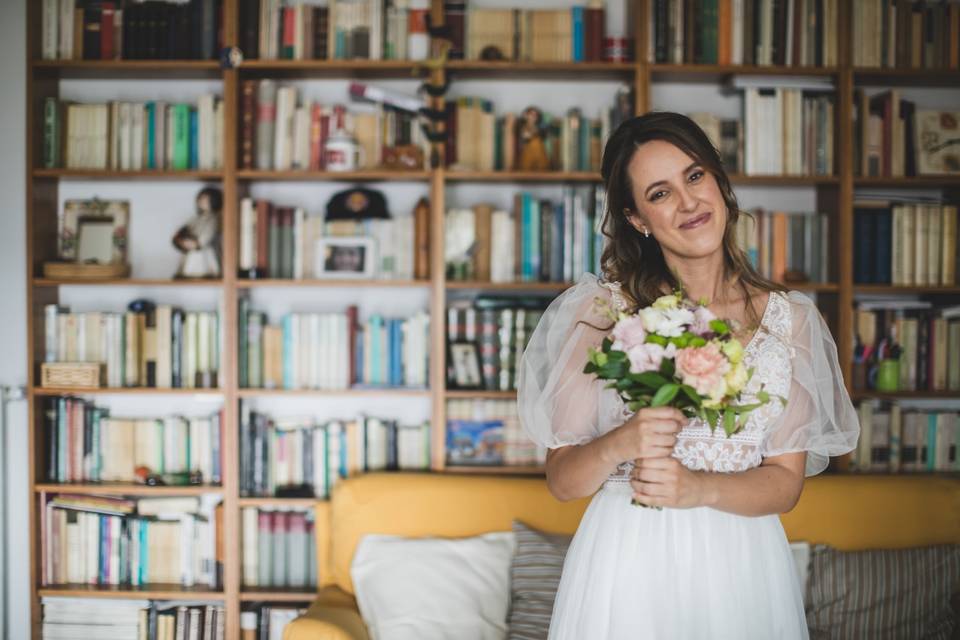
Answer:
x=639 y=573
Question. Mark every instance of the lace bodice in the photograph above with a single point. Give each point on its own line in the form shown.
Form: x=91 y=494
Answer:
x=769 y=353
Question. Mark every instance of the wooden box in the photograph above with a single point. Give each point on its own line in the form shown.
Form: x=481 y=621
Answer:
x=73 y=375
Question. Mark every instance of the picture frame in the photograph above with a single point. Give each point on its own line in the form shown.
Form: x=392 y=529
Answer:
x=94 y=232
x=345 y=257
x=465 y=357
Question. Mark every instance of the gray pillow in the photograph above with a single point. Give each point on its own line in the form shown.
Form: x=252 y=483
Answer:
x=889 y=594
x=534 y=578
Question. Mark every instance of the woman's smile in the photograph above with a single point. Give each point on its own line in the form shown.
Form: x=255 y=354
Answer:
x=697 y=221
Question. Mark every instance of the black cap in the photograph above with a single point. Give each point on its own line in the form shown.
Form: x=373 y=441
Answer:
x=357 y=204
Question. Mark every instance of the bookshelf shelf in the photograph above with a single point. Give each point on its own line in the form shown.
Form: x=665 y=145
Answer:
x=331 y=68
x=127 y=282
x=716 y=72
x=343 y=283
x=906 y=77
x=904 y=289
x=334 y=176
x=279 y=502
x=822 y=287
x=509 y=286
x=126 y=69
x=106 y=391
x=121 y=489
x=522 y=176
x=496 y=470
x=905 y=395
x=553 y=70
x=294 y=594
x=322 y=393
x=109 y=174
x=147 y=592
x=453 y=394
x=910 y=181
x=781 y=181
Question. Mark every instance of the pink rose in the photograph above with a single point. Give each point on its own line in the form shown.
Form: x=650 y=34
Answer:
x=701 y=320
x=628 y=333
x=702 y=368
x=647 y=357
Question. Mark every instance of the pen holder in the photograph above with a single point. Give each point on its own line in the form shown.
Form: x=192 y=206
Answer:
x=888 y=375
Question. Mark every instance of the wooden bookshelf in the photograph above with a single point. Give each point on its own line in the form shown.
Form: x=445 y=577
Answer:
x=835 y=194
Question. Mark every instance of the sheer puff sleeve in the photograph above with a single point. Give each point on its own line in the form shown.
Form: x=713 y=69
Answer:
x=819 y=417
x=559 y=405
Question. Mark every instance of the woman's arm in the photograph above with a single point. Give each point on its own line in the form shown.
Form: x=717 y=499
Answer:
x=773 y=487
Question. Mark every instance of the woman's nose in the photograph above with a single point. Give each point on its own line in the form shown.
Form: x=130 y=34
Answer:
x=687 y=200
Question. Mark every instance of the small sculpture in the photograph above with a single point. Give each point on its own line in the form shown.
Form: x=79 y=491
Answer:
x=533 y=151
x=199 y=239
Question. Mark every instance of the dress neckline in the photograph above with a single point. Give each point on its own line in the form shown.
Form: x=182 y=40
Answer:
x=763 y=318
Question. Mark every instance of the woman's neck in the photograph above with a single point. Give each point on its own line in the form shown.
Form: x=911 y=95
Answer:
x=701 y=278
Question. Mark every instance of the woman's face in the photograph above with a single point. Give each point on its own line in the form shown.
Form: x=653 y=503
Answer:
x=678 y=201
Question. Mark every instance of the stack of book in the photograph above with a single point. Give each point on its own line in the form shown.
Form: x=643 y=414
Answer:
x=540 y=240
x=480 y=140
x=904 y=243
x=281 y=241
x=174 y=619
x=788 y=131
x=334 y=30
x=748 y=32
x=104 y=618
x=279 y=548
x=280 y=132
x=121 y=29
x=303 y=457
x=332 y=351
x=786 y=246
x=500 y=329
x=928 y=339
x=908 y=35
x=894 y=439
x=133 y=136
x=162 y=347
x=488 y=432
x=726 y=134
x=113 y=541
x=535 y=35
x=85 y=444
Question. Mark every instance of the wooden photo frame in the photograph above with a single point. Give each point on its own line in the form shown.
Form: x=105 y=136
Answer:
x=94 y=231
x=351 y=257
x=465 y=357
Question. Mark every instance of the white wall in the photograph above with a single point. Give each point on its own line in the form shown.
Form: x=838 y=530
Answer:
x=13 y=370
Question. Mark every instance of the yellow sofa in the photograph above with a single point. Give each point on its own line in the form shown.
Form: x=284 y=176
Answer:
x=848 y=512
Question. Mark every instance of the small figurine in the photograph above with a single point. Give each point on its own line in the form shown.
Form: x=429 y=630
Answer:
x=533 y=152
x=199 y=239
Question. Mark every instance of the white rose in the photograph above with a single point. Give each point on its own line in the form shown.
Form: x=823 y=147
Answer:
x=675 y=322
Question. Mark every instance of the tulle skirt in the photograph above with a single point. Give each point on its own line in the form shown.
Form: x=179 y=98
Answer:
x=645 y=574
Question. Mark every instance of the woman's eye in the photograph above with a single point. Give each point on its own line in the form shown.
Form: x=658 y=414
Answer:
x=695 y=176
x=657 y=195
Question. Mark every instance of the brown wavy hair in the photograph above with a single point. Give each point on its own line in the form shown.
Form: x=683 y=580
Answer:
x=636 y=261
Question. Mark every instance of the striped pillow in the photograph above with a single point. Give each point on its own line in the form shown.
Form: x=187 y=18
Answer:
x=900 y=593
x=534 y=578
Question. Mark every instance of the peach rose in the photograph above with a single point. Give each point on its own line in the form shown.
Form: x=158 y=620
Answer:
x=703 y=368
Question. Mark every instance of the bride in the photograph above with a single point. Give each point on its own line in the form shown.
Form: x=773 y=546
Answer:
x=714 y=562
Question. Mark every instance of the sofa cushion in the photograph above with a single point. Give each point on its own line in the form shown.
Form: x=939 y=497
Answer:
x=534 y=578
x=434 y=588
x=901 y=593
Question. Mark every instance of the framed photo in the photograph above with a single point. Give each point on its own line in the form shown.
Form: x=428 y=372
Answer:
x=94 y=231
x=466 y=365
x=345 y=258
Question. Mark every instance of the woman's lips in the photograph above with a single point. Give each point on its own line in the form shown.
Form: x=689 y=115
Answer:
x=693 y=223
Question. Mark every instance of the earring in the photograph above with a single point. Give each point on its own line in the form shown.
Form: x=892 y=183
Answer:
x=646 y=232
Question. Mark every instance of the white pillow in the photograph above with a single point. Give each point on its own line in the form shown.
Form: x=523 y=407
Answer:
x=434 y=588
x=801 y=556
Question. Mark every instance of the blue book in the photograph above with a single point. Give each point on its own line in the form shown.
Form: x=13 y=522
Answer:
x=104 y=532
x=194 y=148
x=584 y=146
x=883 y=246
x=398 y=350
x=358 y=371
x=61 y=440
x=288 y=381
x=535 y=251
x=931 y=448
x=375 y=325
x=144 y=552
x=151 y=111
x=578 y=34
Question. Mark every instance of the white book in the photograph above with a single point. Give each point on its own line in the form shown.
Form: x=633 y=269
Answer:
x=283 y=133
x=314 y=363
x=51 y=16
x=137 y=136
x=160 y=135
x=218 y=135
x=65 y=33
x=299 y=237
x=124 y=132
x=250 y=531
x=301 y=138
x=205 y=131
x=319 y=463
x=248 y=234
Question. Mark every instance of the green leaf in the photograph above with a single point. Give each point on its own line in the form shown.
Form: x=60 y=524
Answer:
x=763 y=396
x=667 y=368
x=729 y=422
x=590 y=368
x=719 y=327
x=664 y=395
x=602 y=358
x=650 y=379
x=655 y=339
x=691 y=393
x=697 y=341
x=606 y=344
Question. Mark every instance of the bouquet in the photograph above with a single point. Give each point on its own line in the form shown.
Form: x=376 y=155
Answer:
x=677 y=353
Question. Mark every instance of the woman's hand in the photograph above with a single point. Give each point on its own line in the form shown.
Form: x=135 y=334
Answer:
x=649 y=433
x=665 y=482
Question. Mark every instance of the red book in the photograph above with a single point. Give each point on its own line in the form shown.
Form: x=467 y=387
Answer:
x=263 y=236
x=352 y=315
x=248 y=129
x=289 y=32
x=593 y=27
x=106 y=31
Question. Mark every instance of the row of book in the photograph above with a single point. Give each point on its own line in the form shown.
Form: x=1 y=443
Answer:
x=133 y=135
x=280 y=131
x=480 y=140
x=336 y=30
x=332 y=350
x=160 y=346
x=540 y=240
x=88 y=539
x=86 y=444
x=894 y=439
x=488 y=432
x=926 y=341
x=279 y=241
x=260 y=621
x=68 y=618
x=905 y=34
x=726 y=134
x=786 y=246
x=574 y=34
x=788 y=131
x=500 y=329
x=893 y=138
x=748 y=32
x=130 y=30
x=302 y=457
x=904 y=243
x=279 y=548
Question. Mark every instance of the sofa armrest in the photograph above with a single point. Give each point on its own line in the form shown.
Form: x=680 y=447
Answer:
x=332 y=616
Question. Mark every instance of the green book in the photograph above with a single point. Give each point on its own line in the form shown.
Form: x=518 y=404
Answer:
x=181 y=137
x=51 y=133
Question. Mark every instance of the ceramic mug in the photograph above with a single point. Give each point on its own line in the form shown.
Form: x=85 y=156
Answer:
x=343 y=154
